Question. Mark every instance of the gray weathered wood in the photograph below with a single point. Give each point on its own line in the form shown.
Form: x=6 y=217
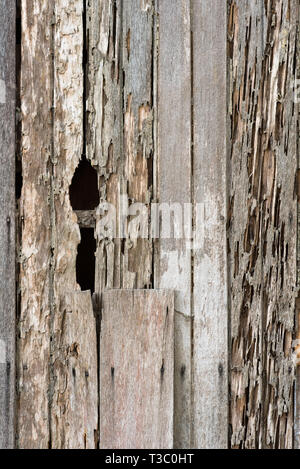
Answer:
x=75 y=368
x=7 y=223
x=174 y=187
x=137 y=369
x=210 y=351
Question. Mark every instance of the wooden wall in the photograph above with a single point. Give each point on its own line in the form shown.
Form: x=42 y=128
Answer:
x=170 y=101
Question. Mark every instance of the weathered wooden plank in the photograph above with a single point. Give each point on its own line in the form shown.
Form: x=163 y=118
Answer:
x=243 y=225
x=52 y=144
x=262 y=221
x=71 y=391
x=119 y=132
x=210 y=350
x=137 y=65
x=76 y=405
x=7 y=223
x=174 y=187
x=104 y=125
x=136 y=369
x=34 y=328
x=297 y=335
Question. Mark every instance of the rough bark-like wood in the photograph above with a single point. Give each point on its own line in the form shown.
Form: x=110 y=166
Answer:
x=69 y=394
x=262 y=221
x=7 y=223
x=75 y=410
x=210 y=349
x=137 y=369
x=104 y=124
x=52 y=145
x=297 y=348
x=174 y=181
x=34 y=325
x=119 y=130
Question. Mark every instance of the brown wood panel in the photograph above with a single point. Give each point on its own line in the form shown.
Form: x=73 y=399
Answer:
x=262 y=221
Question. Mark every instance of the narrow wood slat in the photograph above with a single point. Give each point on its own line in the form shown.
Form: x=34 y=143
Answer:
x=210 y=351
x=7 y=223
x=174 y=187
x=136 y=369
x=76 y=375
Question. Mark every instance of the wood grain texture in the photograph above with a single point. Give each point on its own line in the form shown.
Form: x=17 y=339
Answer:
x=34 y=323
x=297 y=335
x=7 y=223
x=137 y=369
x=262 y=221
x=52 y=146
x=174 y=181
x=67 y=152
x=210 y=349
x=75 y=411
x=120 y=134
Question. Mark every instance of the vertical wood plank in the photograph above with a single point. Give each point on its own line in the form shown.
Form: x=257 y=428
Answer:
x=7 y=223
x=71 y=392
x=297 y=335
x=120 y=132
x=104 y=129
x=136 y=369
x=262 y=221
x=76 y=405
x=245 y=21
x=34 y=325
x=52 y=146
x=137 y=65
x=174 y=187
x=210 y=349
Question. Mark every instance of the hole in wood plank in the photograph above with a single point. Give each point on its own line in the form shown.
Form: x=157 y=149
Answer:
x=84 y=197
x=84 y=193
x=85 y=262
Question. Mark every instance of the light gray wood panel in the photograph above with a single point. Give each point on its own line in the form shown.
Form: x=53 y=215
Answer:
x=137 y=369
x=210 y=348
x=76 y=409
x=174 y=187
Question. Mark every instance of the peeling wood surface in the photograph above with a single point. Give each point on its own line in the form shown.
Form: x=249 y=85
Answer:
x=7 y=223
x=297 y=319
x=138 y=88
x=174 y=181
x=137 y=369
x=67 y=152
x=52 y=145
x=262 y=221
x=34 y=322
x=210 y=344
x=119 y=132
